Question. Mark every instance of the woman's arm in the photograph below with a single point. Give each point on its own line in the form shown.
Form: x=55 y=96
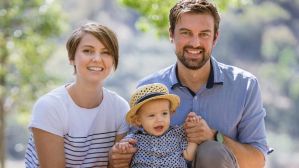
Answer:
x=118 y=159
x=50 y=149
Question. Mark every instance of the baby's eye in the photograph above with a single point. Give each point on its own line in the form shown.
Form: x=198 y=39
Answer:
x=151 y=115
x=165 y=113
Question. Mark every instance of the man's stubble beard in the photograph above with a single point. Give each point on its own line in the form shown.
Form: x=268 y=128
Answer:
x=193 y=64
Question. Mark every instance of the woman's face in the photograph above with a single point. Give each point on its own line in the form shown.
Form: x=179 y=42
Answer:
x=92 y=61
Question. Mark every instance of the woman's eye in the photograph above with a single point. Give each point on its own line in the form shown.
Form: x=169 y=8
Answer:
x=87 y=51
x=105 y=53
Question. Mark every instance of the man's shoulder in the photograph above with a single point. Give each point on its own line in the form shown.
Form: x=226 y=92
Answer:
x=160 y=76
x=235 y=71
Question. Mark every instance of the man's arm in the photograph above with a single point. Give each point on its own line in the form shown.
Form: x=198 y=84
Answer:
x=247 y=156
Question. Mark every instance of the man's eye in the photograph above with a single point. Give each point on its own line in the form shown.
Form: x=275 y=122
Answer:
x=205 y=35
x=185 y=33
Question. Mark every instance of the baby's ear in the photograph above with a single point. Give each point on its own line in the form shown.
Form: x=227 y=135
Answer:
x=136 y=122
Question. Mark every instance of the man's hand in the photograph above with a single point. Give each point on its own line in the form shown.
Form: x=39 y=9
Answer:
x=119 y=158
x=197 y=129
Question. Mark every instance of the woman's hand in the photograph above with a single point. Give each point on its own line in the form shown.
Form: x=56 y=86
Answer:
x=121 y=153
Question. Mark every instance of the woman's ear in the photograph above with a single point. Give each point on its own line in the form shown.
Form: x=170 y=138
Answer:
x=71 y=62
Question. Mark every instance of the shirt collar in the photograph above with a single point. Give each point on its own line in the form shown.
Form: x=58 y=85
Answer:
x=215 y=76
x=140 y=130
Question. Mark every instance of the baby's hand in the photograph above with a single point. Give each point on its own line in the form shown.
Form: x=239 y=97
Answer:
x=123 y=147
x=193 y=118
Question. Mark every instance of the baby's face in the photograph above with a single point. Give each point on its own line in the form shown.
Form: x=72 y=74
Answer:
x=154 y=116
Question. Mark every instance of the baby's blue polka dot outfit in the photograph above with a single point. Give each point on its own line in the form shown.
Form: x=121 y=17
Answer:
x=165 y=151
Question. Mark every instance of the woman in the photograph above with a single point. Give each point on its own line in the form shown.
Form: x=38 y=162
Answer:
x=76 y=124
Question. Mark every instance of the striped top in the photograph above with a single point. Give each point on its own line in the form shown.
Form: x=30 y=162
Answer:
x=88 y=133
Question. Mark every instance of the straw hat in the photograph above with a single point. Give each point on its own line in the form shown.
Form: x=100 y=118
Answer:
x=149 y=92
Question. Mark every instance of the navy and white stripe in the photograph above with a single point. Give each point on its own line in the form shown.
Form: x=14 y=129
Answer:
x=89 y=151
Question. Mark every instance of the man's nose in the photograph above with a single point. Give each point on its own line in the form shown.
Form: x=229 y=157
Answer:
x=195 y=41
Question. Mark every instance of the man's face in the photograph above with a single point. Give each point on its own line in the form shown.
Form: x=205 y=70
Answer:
x=194 y=39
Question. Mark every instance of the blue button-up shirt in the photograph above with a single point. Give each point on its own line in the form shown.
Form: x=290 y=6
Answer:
x=230 y=102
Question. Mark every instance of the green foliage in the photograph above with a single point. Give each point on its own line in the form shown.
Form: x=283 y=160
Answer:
x=278 y=41
x=27 y=28
x=154 y=13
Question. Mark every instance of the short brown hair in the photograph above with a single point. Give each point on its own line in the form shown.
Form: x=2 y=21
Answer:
x=102 y=33
x=193 y=6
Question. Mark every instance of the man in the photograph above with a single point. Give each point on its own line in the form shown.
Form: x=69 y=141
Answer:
x=231 y=132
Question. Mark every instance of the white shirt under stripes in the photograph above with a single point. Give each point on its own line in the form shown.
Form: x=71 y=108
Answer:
x=88 y=133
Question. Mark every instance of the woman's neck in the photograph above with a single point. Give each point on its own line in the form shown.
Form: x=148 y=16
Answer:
x=86 y=96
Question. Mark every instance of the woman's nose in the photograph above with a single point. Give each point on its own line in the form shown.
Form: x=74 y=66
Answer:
x=96 y=57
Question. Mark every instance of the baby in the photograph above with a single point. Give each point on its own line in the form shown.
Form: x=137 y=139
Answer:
x=158 y=143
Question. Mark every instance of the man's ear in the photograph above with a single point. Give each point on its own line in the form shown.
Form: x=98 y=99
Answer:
x=216 y=38
x=170 y=35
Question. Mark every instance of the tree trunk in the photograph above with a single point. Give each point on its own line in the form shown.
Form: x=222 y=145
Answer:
x=2 y=137
x=2 y=112
x=3 y=72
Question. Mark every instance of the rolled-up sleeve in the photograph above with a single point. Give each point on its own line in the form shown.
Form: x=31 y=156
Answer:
x=252 y=126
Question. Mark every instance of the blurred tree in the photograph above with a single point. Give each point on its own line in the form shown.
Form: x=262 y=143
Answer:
x=26 y=27
x=154 y=13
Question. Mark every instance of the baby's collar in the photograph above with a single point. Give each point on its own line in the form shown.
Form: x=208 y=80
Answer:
x=140 y=130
